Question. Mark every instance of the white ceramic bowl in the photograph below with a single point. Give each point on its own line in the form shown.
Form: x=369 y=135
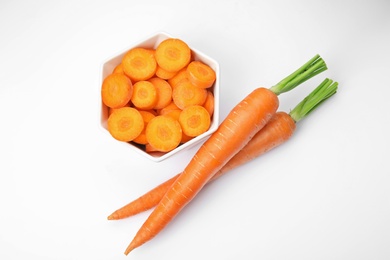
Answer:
x=152 y=42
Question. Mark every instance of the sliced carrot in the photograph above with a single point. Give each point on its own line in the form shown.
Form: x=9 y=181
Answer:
x=118 y=69
x=146 y=116
x=194 y=120
x=182 y=74
x=201 y=74
x=209 y=103
x=163 y=133
x=144 y=95
x=139 y=64
x=117 y=90
x=163 y=74
x=171 y=106
x=175 y=114
x=164 y=92
x=185 y=94
x=125 y=124
x=173 y=54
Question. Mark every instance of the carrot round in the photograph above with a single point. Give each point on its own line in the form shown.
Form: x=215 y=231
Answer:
x=144 y=95
x=201 y=74
x=185 y=94
x=163 y=133
x=164 y=92
x=116 y=90
x=179 y=76
x=139 y=64
x=125 y=124
x=278 y=130
x=163 y=74
x=240 y=125
x=146 y=116
x=194 y=120
x=173 y=54
x=209 y=103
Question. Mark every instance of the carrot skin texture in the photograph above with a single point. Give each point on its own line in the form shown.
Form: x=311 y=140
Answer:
x=278 y=130
x=242 y=123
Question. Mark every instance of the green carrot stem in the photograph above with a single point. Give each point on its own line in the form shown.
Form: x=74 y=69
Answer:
x=324 y=91
x=311 y=68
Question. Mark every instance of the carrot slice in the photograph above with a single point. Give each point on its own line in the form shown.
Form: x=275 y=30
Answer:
x=173 y=54
x=125 y=124
x=209 y=103
x=163 y=133
x=118 y=69
x=194 y=120
x=185 y=94
x=164 y=92
x=146 y=116
x=116 y=91
x=164 y=74
x=181 y=74
x=171 y=106
x=139 y=64
x=200 y=74
x=144 y=95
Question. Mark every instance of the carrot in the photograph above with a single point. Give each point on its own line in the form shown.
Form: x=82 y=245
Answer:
x=139 y=64
x=175 y=114
x=163 y=74
x=171 y=106
x=180 y=75
x=241 y=124
x=163 y=133
x=116 y=90
x=125 y=124
x=185 y=94
x=173 y=54
x=118 y=69
x=144 y=95
x=209 y=103
x=201 y=74
x=194 y=120
x=277 y=131
x=164 y=92
x=146 y=116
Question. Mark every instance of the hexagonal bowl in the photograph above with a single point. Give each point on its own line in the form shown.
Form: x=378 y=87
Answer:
x=152 y=42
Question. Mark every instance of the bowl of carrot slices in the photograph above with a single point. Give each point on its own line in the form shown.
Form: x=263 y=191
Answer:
x=159 y=96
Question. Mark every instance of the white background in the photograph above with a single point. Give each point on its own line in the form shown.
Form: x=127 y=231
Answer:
x=322 y=195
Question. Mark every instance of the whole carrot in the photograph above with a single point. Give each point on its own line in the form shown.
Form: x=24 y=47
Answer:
x=277 y=131
x=242 y=123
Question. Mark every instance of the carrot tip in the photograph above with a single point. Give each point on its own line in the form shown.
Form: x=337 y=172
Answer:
x=113 y=216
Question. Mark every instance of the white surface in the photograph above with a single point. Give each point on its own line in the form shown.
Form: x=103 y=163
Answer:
x=323 y=195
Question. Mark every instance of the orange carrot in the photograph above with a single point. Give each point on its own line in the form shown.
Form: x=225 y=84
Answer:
x=116 y=90
x=146 y=116
x=163 y=74
x=139 y=64
x=182 y=74
x=144 y=95
x=277 y=131
x=163 y=133
x=164 y=92
x=173 y=54
x=194 y=120
x=118 y=69
x=185 y=94
x=125 y=124
x=209 y=103
x=200 y=74
x=241 y=124
x=171 y=106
